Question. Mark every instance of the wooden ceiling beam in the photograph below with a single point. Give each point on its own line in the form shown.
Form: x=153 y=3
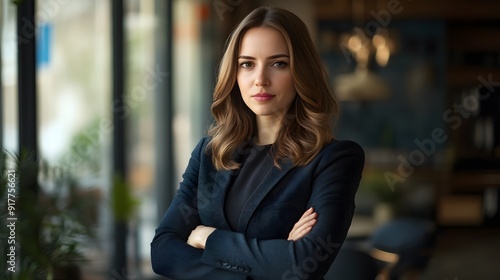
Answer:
x=412 y=9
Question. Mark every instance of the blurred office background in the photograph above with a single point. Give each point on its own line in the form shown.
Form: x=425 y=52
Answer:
x=113 y=95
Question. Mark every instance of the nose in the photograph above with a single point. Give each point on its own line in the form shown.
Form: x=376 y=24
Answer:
x=262 y=78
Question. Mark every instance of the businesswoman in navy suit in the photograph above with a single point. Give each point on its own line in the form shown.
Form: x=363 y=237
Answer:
x=270 y=193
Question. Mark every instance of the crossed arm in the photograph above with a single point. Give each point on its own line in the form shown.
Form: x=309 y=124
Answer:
x=199 y=235
x=177 y=246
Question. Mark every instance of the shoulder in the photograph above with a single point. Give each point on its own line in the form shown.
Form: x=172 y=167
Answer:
x=201 y=147
x=200 y=152
x=346 y=151
x=346 y=146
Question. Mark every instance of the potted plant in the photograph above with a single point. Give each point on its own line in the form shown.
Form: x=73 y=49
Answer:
x=50 y=229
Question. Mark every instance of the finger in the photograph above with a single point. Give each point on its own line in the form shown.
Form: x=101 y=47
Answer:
x=305 y=225
x=303 y=232
x=307 y=212
x=299 y=232
x=305 y=219
x=193 y=235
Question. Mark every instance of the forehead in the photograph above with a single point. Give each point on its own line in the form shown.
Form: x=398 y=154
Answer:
x=263 y=41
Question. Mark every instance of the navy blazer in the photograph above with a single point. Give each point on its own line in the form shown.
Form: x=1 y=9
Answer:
x=259 y=248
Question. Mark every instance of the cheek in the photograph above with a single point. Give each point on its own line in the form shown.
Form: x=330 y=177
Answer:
x=242 y=83
x=243 y=90
x=286 y=82
x=290 y=86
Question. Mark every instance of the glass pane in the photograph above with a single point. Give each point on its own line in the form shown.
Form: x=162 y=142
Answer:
x=193 y=68
x=74 y=116
x=142 y=80
x=192 y=88
x=9 y=75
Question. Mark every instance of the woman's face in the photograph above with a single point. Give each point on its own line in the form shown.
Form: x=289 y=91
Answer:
x=264 y=74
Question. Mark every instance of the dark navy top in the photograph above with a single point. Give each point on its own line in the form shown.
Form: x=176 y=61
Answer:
x=254 y=168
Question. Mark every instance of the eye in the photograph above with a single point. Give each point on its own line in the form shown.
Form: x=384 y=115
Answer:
x=246 y=64
x=280 y=64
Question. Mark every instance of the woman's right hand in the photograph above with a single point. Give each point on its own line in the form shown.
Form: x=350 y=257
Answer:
x=304 y=225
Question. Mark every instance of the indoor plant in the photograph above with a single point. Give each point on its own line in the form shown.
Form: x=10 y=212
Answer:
x=50 y=229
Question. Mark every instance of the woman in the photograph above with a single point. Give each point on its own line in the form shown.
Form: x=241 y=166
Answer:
x=270 y=193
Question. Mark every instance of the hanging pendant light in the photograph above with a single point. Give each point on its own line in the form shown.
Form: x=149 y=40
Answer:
x=363 y=84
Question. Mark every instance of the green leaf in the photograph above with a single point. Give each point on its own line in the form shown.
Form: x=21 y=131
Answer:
x=124 y=204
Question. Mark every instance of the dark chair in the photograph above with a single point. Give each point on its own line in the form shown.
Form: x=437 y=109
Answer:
x=410 y=239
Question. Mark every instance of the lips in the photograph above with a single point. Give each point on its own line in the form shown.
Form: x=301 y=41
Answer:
x=263 y=96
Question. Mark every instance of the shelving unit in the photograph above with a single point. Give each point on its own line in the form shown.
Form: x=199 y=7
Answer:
x=473 y=51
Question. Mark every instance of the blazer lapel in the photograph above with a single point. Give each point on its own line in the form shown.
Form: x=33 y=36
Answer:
x=270 y=180
x=217 y=200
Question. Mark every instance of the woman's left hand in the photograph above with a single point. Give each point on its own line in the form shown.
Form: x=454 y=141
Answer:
x=199 y=235
x=304 y=225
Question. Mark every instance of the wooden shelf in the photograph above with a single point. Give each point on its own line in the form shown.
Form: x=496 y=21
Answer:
x=474 y=39
x=474 y=180
x=467 y=76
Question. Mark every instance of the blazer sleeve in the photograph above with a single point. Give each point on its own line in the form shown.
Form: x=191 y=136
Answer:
x=171 y=256
x=336 y=180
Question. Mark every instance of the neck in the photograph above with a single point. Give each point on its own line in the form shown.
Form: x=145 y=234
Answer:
x=268 y=127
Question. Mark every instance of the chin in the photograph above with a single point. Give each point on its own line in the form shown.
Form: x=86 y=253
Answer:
x=263 y=113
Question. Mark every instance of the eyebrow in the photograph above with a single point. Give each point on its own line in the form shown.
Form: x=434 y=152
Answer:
x=269 y=57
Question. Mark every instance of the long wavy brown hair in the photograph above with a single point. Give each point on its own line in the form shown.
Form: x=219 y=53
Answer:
x=308 y=124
